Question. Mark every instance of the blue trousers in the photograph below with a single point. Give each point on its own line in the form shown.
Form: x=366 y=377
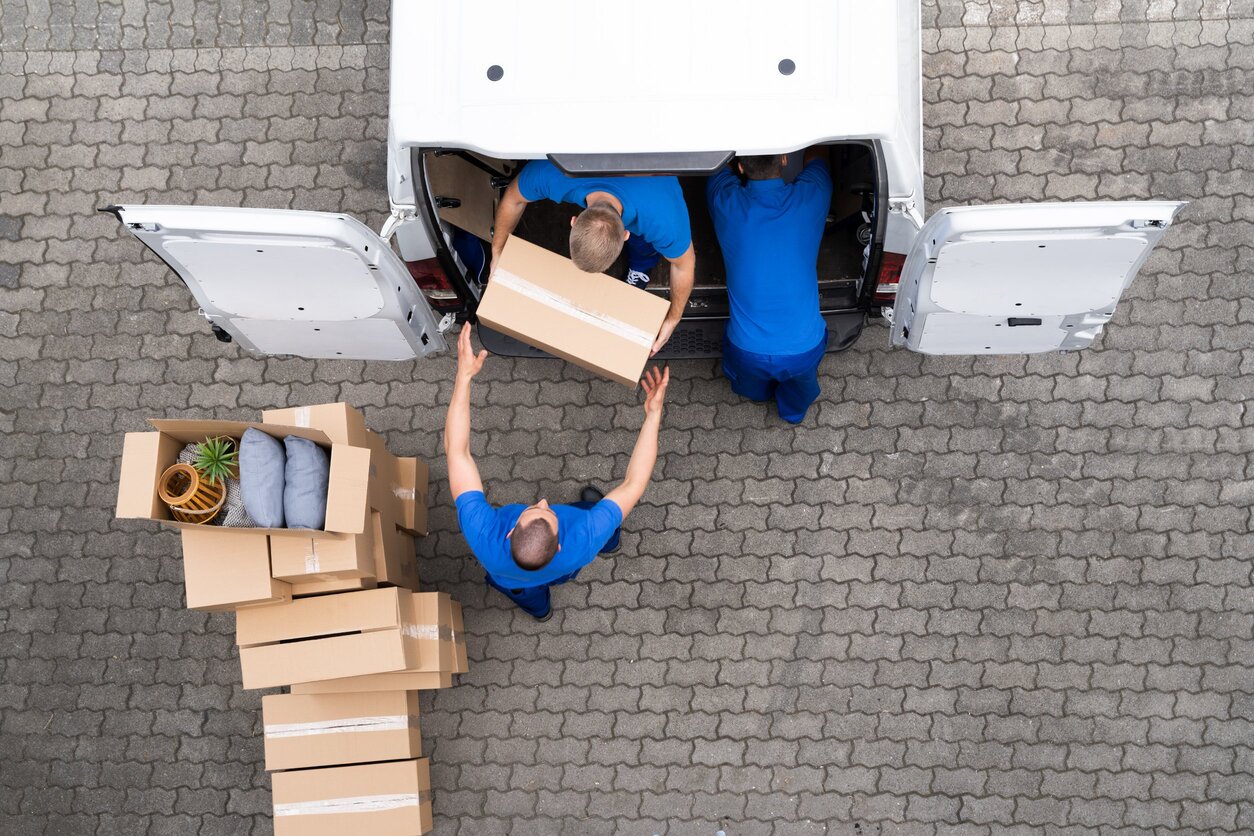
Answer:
x=537 y=600
x=640 y=254
x=791 y=379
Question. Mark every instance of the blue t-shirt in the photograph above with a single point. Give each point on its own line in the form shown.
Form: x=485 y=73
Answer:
x=769 y=232
x=653 y=207
x=580 y=535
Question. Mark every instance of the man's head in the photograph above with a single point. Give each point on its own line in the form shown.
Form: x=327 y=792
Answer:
x=763 y=166
x=596 y=238
x=533 y=542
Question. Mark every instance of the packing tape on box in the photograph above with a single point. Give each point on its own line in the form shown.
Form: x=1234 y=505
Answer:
x=403 y=493
x=302 y=416
x=344 y=725
x=313 y=564
x=626 y=330
x=356 y=804
x=442 y=632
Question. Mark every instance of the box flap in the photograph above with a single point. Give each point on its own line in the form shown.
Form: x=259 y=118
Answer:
x=592 y=320
x=332 y=657
x=396 y=681
x=228 y=567
x=188 y=431
x=371 y=609
x=342 y=423
x=348 y=495
x=289 y=709
x=143 y=455
x=307 y=559
x=391 y=778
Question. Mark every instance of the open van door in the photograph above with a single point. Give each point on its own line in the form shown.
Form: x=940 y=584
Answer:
x=309 y=284
x=1022 y=278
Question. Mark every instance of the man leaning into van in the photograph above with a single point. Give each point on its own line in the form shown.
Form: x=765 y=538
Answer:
x=769 y=231
x=648 y=213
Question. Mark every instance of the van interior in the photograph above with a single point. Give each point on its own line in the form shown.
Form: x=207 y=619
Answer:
x=465 y=188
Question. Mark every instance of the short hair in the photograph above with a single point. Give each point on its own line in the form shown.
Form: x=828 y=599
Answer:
x=596 y=238
x=533 y=545
x=762 y=166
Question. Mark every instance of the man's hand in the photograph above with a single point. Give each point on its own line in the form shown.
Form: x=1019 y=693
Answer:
x=663 y=335
x=468 y=363
x=654 y=383
x=644 y=454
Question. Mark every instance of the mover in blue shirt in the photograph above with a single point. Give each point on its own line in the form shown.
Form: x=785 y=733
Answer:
x=528 y=548
x=648 y=213
x=769 y=232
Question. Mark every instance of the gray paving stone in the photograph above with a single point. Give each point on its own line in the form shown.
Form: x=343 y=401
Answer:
x=974 y=595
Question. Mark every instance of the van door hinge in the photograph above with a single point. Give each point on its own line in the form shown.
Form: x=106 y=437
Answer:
x=446 y=323
x=397 y=217
x=901 y=205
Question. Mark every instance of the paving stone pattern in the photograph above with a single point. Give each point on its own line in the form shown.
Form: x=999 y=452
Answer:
x=967 y=596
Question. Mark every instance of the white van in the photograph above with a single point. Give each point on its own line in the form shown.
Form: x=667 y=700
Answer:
x=654 y=86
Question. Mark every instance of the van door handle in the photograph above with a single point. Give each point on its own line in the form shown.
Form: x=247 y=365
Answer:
x=1016 y=321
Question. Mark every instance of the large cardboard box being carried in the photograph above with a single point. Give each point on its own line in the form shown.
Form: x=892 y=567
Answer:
x=332 y=729
x=146 y=455
x=441 y=653
x=380 y=799
x=328 y=637
x=226 y=568
x=398 y=486
x=590 y=319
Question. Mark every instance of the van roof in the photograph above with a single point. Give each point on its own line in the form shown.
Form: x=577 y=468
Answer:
x=523 y=80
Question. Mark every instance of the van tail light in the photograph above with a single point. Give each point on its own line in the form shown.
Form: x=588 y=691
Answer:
x=430 y=278
x=890 y=276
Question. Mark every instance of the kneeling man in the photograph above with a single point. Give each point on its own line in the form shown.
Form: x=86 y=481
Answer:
x=769 y=232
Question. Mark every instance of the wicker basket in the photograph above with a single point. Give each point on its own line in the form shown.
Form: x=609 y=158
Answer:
x=190 y=498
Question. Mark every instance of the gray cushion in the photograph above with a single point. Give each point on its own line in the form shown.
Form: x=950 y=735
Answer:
x=261 y=462
x=305 y=491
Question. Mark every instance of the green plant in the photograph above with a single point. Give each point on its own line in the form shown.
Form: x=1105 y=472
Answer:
x=216 y=458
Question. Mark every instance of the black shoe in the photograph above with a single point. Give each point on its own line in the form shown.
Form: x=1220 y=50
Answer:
x=545 y=617
x=590 y=494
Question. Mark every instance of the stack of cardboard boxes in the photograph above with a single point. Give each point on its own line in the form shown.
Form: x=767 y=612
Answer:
x=335 y=615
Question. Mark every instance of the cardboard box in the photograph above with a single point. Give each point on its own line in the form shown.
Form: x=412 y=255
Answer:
x=380 y=799
x=313 y=559
x=461 y=663
x=330 y=729
x=398 y=486
x=592 y=320
x=396 y=681
x=395 y=557
x=145 y=455
x=328 y=637
x=304 y=590
x=434 y=625
x=226 y=568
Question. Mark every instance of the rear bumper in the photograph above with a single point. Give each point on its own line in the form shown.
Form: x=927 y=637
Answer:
x=693 y=339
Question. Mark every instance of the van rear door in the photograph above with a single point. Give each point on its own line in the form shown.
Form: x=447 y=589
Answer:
x=1022 y=278
x=309 y=284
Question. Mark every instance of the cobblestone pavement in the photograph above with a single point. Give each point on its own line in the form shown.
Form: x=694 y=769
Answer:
x=969 y=595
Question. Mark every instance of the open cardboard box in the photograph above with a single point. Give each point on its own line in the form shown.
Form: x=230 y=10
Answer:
x=146 y=455
x=307 y=730
x=398 y=486
x=381 y=799
x=590 y=319
x=328 y=637
x=227 y=568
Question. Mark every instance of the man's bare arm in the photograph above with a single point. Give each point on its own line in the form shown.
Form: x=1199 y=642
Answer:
x=463 y=473
x=644 y=454
x=508 y=212
x=683 y=274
